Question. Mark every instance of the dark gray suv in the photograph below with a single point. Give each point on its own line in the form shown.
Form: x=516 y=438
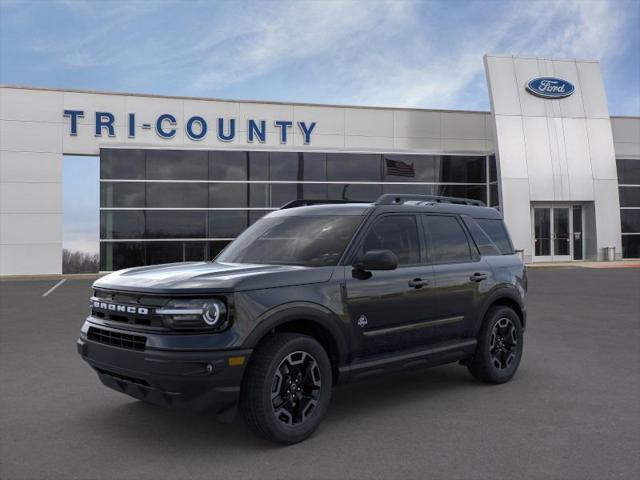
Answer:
x=308 y=297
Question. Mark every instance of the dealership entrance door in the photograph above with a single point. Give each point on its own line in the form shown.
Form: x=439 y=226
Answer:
x=557 y=233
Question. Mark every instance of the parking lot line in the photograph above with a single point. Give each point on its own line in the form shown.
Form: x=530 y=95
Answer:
x=54 y=287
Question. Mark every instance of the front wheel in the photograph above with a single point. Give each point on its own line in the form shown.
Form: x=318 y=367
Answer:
x=287 y=388
x=500 y=345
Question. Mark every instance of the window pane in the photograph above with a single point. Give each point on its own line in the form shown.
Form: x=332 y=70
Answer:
x=164 y=252
x=224 y=195
x=177 y=195
x=195 y=251
x=463 y=169
x=493 y=169
x=122 y=224
x=258 y=195
x=494 y=200
x=258 y=166
x=474 y=192
x=315 y=167
x=224 y=165
x=398 y=234
x=481 y=239
x=353 y=167
x=227 y=223
x=354 y=192
x=629 y=196
x=631 y=246
x=122 y=164
x=409 y=189
x=119 y=255
x=628 y=171
x=282 y=193
x=215 y=248
x=284 y=166
x=315 y=240
x=630 y=221
x=410 y=168
x=119 y=195
x=176 y=224
x=448 y=242
x=498 y=233
x=177 y=165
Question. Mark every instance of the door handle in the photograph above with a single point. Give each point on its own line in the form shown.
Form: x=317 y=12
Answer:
x=478 y=277
x=418 y=283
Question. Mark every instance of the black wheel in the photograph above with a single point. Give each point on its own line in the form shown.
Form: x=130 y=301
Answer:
x=499 y=349
x=287 y=388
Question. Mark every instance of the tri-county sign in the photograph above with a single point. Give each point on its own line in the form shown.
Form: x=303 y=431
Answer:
x=196 y=127
x=550 y=87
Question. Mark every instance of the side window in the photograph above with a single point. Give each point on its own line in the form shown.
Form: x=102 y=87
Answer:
x=497 y=232
x=398 y=234
x=482 y=240
x=448 y=242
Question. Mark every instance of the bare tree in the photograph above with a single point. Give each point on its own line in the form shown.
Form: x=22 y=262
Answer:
x=79 y=262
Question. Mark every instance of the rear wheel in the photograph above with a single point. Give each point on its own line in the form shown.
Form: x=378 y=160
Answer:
x=500 y=345
x=287 y=388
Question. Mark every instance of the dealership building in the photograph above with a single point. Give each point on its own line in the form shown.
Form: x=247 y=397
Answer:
x=181 y=177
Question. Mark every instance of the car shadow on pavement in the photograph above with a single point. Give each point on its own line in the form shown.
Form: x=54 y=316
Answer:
x=136 y=421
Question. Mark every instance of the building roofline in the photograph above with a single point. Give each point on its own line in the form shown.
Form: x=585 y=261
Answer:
x=211 y=99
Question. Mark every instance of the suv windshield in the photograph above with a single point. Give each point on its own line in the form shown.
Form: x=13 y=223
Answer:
x=314 y=241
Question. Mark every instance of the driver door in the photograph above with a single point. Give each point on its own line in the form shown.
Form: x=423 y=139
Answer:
x=389 y=309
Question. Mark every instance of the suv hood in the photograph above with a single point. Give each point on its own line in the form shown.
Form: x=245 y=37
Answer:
x=201 y=277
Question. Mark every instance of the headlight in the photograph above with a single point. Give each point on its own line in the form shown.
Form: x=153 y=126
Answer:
x=209 y=314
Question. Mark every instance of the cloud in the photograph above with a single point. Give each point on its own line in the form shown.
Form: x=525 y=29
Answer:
x=393 y=53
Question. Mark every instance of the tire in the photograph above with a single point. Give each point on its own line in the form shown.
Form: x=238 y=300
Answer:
x=287 y=388
x=500 y=345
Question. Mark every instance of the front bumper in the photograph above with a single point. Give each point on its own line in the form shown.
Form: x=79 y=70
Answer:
x=202 y=380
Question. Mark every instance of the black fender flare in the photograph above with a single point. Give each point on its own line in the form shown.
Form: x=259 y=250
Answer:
x=500 y=293
x=296 y=311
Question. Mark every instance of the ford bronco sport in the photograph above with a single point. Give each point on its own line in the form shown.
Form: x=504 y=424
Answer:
x=310 y=296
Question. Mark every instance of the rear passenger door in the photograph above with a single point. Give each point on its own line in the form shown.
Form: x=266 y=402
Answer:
x=460 y=275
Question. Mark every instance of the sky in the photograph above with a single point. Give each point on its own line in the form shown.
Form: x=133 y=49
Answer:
x=385 y=53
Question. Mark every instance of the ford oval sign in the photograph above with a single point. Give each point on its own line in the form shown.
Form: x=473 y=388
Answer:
x=550 y=87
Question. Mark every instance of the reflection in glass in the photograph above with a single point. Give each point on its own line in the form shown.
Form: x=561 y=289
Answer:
x=227 y=223
x=628 y=171
x=225 y=165
x=124 y=164
x=577 y=232
x=121 y=224
x=176 y=224
x=542 y=231
x=119 y=195
x=448 y=241
x=119 y=255
x=354 y=192
x=354 y=167
x=630 y=221
x=177 y=195
x=177 y=165
x=561 y=238
x=225 y=195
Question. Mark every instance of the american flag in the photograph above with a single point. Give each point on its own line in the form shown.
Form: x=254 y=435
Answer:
x=399 y=168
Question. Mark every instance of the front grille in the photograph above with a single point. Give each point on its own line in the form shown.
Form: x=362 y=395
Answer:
x=148 y=320
x=117 y=339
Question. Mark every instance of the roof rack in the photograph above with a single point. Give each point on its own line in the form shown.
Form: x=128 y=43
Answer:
x=305 y=203
x=395 y=199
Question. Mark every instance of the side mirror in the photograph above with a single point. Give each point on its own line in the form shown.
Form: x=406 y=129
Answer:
x=377 y=260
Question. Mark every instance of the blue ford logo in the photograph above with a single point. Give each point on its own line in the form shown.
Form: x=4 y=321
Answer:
x=550 y=87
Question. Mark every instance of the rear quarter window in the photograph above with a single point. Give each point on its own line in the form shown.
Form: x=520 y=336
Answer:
x=497 y=232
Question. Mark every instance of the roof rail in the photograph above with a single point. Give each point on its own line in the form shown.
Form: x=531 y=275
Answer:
x=305 y=203
x=395 y=199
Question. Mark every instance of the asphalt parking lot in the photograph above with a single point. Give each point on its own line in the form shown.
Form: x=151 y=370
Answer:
x=571 y=412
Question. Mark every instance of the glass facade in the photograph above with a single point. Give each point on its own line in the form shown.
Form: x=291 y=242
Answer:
x=159 y=206
x=629 y=190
